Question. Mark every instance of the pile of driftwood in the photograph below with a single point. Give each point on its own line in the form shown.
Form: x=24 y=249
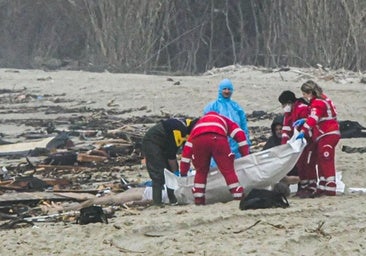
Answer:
x=82 y=157
x=93 y=160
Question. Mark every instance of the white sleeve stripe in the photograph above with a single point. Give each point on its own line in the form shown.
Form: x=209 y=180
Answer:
x=314 y=117
x=242 y=143
x=233 y=133
x=188 y=144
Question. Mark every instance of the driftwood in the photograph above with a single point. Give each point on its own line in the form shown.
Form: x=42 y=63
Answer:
x=23 y=148
x=42 y=167
x=82 y=157
x=34 y=197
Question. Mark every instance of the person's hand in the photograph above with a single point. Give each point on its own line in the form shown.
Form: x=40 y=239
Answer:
x=298 y=122
x=177 y=173
x=300 y=136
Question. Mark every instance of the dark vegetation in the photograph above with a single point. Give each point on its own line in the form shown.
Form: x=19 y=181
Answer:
x=181 y=36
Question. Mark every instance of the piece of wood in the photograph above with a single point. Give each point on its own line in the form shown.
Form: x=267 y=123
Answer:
x=24 y=197
x=43 y=167
x=23 y=147
x=82 y=157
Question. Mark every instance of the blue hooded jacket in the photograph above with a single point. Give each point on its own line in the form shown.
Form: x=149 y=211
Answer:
x=232 y=110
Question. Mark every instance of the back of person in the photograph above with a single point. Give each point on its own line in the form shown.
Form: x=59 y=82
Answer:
x=207 y=140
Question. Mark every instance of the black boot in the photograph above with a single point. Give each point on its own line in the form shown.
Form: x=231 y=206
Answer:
x=157 y=195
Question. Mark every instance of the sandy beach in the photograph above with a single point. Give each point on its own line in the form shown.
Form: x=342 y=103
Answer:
x=321 y=226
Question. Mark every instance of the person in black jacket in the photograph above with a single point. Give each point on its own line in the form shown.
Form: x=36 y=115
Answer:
x=273 y=141
x=276 y=129
x=160 y=146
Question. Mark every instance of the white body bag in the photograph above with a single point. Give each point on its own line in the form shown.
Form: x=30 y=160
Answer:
x=258 y=170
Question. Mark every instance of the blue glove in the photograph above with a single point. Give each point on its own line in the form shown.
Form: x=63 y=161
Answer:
x=176 y=173
x=299 y=122
x=300 y=136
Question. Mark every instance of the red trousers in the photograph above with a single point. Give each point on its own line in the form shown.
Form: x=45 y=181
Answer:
x=306 y=168
x=213 y=145
x=325 y=158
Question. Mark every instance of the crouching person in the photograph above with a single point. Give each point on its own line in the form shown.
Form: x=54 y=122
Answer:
x=209 y=138
x=160 y=145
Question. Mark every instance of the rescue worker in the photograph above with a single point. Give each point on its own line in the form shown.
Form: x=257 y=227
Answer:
x=159 y=146
x=209 y=139
x=322 y=127
x=295 y=109
x=225 y=106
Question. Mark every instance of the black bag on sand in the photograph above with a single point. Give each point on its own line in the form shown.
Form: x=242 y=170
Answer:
x=91 y=214
x=262 y=198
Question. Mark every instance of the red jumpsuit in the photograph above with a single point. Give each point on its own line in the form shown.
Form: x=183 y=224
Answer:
x=323 y=129
x=209 y=139
x=306 y=165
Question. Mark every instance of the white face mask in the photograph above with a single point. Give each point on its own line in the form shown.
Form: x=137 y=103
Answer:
x=287 y=108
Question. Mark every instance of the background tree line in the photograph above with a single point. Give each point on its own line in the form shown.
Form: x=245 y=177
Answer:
x=181 y=36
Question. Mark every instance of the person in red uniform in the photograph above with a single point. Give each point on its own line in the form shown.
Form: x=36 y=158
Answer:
x=208 y=139
x=322 y=127
x=295 y=109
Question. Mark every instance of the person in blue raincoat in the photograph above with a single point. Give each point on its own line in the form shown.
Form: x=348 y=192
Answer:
x=225 y=106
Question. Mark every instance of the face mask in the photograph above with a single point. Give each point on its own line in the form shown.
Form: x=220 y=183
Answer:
x=287 y=109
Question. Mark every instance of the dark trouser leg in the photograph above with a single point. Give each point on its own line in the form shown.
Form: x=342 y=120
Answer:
x=157 y=194
x=171 y=196
x=155 y=164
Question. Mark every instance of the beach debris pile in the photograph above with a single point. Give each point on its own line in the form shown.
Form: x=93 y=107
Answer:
x=74 y=157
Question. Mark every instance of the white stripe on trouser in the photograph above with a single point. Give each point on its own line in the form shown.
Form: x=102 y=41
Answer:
x=312 y=181
x=327 y=188
x=199 y=185
x=233 y=185
x=324 y=182
x=185 y=160
x=330 y=178
x=321 y=182
x=237 y=195
x=197 y=194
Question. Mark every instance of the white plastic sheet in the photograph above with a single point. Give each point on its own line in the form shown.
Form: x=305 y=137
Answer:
x=257 y=170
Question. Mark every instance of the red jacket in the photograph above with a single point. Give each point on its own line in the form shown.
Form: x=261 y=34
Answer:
x=300 y=110
x=212 y=122
x=322 y=119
